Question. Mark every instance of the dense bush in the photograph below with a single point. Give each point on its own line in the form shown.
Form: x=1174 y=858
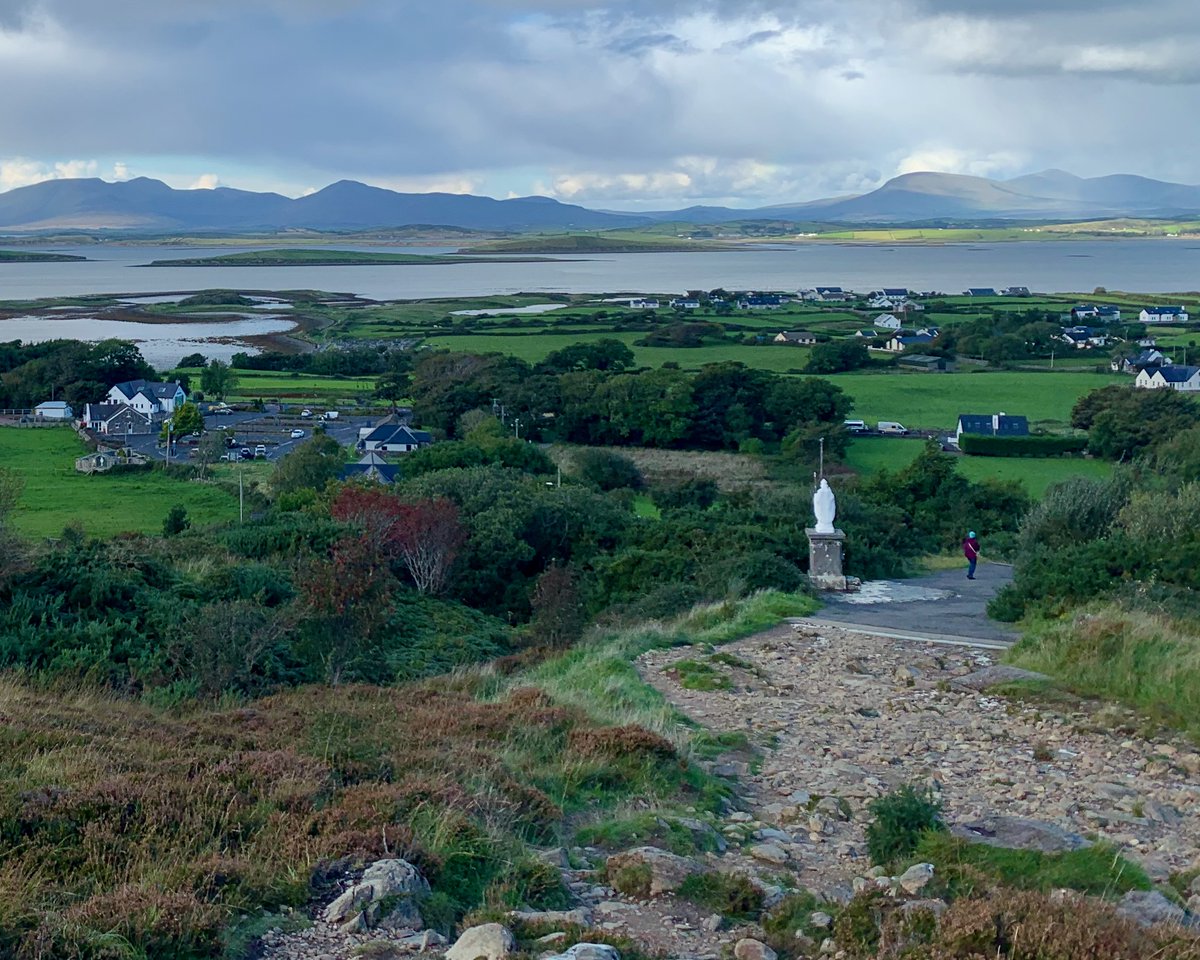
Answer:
x=898 y=822
x=985 y=446
x=607 y=470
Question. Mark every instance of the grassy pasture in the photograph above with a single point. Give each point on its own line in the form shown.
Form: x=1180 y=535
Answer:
x=270 y=385
x=872 y=454
x=934 y=401
x=56 y=495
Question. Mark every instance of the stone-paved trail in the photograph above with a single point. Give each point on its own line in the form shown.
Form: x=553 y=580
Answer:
x=848 y=716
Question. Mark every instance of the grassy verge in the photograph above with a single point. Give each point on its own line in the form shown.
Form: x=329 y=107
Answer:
x=1147 y=662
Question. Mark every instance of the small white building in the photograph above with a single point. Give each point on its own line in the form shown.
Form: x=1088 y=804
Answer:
x=1163 y=315
x=887 y=321
x=1183 y=379
x=800 y=338
x=53 y=410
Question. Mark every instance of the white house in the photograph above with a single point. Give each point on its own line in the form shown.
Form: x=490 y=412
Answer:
x=900 y=344
x=642 y=304
x=1183 y=379
x=1083 y=338
x=395 y=439
x=887 y=321
x=147 y=398
x=116 y=419
x=797 y=338
x=53 y=410
x=1163 y=315
x=685 y=304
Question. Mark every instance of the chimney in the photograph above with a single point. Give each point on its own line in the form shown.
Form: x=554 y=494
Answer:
x=996 y=421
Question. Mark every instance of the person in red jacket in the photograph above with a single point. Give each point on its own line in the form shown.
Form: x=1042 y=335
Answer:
x=971 y=552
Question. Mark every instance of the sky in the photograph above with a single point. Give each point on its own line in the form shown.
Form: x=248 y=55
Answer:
x=614 y=104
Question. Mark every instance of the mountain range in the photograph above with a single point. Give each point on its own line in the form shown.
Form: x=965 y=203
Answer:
x=150 y=206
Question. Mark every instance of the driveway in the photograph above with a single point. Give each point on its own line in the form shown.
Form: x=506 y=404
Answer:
x=944 y=604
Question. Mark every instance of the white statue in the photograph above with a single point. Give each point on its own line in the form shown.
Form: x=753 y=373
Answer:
x=824 y=508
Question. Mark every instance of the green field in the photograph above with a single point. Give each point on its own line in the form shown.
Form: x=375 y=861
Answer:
x=35 y=256
x=934 y=401
x=872 y=454
x=298 y=387
x=56 y=495
x=535 y=347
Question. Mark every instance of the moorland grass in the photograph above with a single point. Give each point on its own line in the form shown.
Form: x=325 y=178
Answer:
x=104 y=504
x=1147 y=662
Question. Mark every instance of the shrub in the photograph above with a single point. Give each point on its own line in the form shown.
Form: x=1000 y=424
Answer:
x=698 y=492
x=984 y=446
x=899 y=821
x=732 y=895
x=632 y=879
x=757 y=570
x=176 y=521
x=607 y=470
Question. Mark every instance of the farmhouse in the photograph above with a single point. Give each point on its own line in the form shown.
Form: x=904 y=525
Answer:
x=684 y=304
x=151 y=399
x=1147 y=358
x=900 y=344
x=798 y=338
x=643 y=304
x=887 y=321
x=117 y=420
x=394 y=439
x=1015 y=292
x=992 y=425
x=827 y=294
x=980 y=292
x=53 y=410
x=1168 y=377
x=1163 y=315
x=866 y=334
x=371 y=467
x=758 y=301
x=1084 y=338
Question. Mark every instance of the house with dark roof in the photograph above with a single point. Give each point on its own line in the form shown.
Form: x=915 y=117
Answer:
x=1015 y=292
x=1169 y=377
x=992 y=425
x=980 y=292
x=1163 y=315
x=117 y=420
x=758 y=301
x=798 y=338
x=371 y=467
x=1134 y=365
x=394 y=438
x=1083 y=338
x=923 y=362
x=147 y=397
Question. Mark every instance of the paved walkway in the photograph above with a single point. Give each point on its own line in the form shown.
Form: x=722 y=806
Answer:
x=940 y=606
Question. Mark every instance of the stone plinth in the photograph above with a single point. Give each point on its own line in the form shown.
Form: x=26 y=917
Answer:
x=825 y=559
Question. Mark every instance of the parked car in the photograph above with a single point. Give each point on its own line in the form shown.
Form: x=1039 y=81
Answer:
x=297 y=434
x=306 y=413
x=855 y=426
x=329 y=415
x=891 y=426
x=246 y=454
x=260 y=450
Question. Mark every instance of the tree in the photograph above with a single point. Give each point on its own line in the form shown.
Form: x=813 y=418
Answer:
x=1124 y=422
x=310 y=466
x=193 y=360
x=558 y=616
x=175 y=522
x=210 y=449
x=428 y=538
x=185 y=420
x=393 y=387
x=607 y=470
x=218 y=379
x=837 y=356
x=606 y=354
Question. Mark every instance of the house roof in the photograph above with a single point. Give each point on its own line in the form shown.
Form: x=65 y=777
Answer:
x=981 y=291
x=103 y=412
x=797 y=335
x=384 y=472
x=885 y=316
x=921 y=360
x=895 y=291
x=155 y=391
x=53 y=405
x=391 y=433
x=1180 y=374
x=1165 y=311
x=985 y=423
x=915 y=338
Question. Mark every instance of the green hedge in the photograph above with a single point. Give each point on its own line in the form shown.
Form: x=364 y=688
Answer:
x=984 y=446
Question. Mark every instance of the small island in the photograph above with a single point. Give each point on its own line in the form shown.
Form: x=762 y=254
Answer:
x=37 y=256
x=592 y=243
x=327 y=258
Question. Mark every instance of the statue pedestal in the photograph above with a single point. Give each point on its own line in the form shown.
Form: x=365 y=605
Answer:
x=825 y=560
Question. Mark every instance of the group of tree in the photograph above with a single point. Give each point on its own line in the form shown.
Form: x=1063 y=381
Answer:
x=69 y=370
x=597 y=400
x=354 y=360
x=1124 y=423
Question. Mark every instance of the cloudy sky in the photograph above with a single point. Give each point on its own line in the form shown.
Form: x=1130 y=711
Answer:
x=624 y=104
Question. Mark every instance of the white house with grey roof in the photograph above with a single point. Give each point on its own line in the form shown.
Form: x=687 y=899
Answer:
x=148 y=398
x=1169 y=377
x=1163 y=315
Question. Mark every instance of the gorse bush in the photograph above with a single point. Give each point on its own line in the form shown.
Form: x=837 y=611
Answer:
x=899 y=821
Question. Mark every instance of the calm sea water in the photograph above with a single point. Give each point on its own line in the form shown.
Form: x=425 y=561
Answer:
x=1147 y=266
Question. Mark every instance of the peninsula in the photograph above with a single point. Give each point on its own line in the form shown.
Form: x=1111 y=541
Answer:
x=329 y=258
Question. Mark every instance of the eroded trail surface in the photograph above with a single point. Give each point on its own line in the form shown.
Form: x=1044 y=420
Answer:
x=846 y=716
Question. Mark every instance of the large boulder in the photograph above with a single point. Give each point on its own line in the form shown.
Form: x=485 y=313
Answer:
x=653 y=871
x=916 y=877
x=488 y=941
x=749 y=949
x=588 y=951
x=1148 y=907
x=396 y=881
x=580 y=916
x=1020 y=833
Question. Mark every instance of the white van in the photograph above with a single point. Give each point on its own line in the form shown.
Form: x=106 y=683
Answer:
x=891 y=426
x=855 y=426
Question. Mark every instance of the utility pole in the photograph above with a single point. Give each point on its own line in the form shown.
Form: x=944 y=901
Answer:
x=517 y=427
x=821 y=460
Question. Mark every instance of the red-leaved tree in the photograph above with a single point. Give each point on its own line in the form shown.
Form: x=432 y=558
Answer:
x=425 y=536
